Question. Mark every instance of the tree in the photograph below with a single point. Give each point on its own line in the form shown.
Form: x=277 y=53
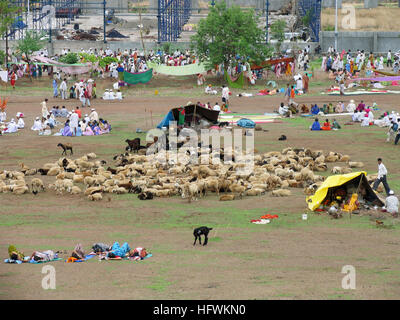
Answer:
x=70 y=58
x=31 y=43
x=228 y=32
x=8 y=15
x=278 y=33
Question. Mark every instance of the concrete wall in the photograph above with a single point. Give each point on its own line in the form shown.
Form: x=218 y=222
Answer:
x=331 y=4
x=75 y=46
x=274 y=5
x=379 y=42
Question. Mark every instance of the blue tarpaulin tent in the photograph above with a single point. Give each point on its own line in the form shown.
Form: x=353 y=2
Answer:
x=165 y=122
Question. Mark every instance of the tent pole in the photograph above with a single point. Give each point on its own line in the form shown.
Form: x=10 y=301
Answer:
x=194 y=116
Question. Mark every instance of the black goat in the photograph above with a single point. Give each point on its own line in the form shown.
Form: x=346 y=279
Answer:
x=201 y=231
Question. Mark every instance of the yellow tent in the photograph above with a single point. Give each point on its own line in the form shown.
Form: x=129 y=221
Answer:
x=336 y=181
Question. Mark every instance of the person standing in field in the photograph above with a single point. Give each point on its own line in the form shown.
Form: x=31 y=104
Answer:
x=225 y=95
x=382 y=173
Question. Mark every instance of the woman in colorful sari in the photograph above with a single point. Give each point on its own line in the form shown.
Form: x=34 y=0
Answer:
x=96 y=129
x=67 y=130
x=104 y=127
x=88 y=131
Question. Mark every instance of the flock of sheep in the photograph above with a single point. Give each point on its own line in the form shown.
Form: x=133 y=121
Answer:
x=273 y=172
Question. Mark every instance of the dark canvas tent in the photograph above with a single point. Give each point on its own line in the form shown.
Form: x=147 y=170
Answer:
x=351 y=182
x=191 y=111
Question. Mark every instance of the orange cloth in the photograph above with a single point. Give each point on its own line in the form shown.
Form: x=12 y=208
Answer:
x=71 y=259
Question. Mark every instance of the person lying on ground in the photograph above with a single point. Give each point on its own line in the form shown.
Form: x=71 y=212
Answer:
x=44 y=256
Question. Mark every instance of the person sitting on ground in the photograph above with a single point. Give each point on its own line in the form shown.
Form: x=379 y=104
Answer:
x=330 y=108
x=11 y=127
x=88 y=131
x=20 y=120
x=63 y=112
x=336 y=125
x=284 y=110
x=316 y=125
x=351 y=107
x=339 y=107
x=361 y=106
x=118 y=95
x=209 y=90
x=67 y=130
x=327 y=125
x=50 y=122
x=37 y=125
x=365 y=121
x=392 y=204
x=356 y=117
x=217 y=107
x=304 y=109
x=314 y=109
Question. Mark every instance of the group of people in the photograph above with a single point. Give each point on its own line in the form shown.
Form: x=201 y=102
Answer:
x=13 y=125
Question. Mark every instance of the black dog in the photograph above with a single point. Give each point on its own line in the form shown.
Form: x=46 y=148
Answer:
x=201 y=231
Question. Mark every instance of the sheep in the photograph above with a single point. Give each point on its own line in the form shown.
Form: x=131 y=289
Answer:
x=78 y=178
x=65 y=147
x=95 y=197
x=235 y=188
x=53 y=171
x=93 y=190
x=76 y=190
x=89 y=181
x=344 y=158
x=37 y=184
x=190 y=191
x=20 y=190
x=356 y=164
x=341 y=170
x=281 y=193
x=255 y=192
x=91 y=156
x=227 y=197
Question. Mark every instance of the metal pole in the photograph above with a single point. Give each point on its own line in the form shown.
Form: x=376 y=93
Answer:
x=104 y=21
x=50 y=22
x=266 y=23
x=336 y=26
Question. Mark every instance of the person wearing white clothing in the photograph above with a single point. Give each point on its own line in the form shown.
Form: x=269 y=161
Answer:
x=63 y=89
x=225 y=94
x=217 y=107
x=21 y=122
x=118 y=95
x=11 y=127
x=392 y=203
x=382 y=173
x=94 y=116
x=209 y=90
x=351 y=106
x=45 y=112
x=3 y=116
x=37 y=125
x=73 y=122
